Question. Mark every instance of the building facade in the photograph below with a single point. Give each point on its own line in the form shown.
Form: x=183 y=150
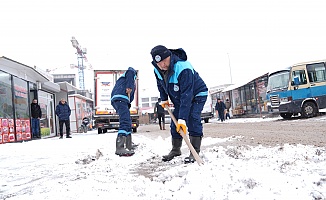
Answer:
x=19 y=85
x=246 y=98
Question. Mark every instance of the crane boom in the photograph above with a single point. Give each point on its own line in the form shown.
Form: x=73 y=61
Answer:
x=81 y=57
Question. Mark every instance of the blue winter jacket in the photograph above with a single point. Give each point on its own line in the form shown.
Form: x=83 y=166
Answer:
x=183 y=83
x=63 y=111
x=126 y=80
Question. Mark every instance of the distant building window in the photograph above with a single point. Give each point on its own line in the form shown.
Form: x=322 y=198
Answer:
x=153 y=104
x=145 y=105
x=154 y=99
x=145 y=99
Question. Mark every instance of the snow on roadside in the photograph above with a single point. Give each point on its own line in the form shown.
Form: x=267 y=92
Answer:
x=68 y=169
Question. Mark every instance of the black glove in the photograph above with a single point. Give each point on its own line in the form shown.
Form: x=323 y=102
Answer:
x=129 y=105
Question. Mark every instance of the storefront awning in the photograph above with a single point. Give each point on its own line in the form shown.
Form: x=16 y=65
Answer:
x=53 y=87
x=235 y=86
x=80 y=97
x=23 y=71
x=67 y=87
x=232 y=87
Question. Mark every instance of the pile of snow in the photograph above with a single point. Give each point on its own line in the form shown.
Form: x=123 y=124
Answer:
x=85 y=167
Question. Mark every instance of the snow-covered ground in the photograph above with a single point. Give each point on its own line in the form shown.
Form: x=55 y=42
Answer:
x=245 y=120
x=85 y=167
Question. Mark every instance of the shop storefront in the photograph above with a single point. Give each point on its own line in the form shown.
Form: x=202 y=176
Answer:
x=248 y=98
x=19 y=84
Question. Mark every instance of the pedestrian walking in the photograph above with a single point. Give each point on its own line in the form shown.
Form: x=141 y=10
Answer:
x=159 y=113
x=121 y=97
x=177 y=79
x=63 y=112
x=36 y=113
x=220 y=109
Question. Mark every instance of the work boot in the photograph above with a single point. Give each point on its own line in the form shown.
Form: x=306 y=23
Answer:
x=163 y=126
x=129 y=144
x=196 y=142
x=160 y=126
x=120 y=146
x=176 y=145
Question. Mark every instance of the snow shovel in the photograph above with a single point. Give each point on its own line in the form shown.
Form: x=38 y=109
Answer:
x=184 y=136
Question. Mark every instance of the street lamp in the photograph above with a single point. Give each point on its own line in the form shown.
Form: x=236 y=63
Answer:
x=230 y=68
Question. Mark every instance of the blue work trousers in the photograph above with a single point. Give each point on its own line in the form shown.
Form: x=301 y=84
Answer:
x=195 y=127
x=124 y=116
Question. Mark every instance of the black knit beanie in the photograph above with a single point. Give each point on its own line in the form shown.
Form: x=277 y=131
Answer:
x=159 y=53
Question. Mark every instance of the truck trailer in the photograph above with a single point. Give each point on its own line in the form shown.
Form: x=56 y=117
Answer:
x=105 y=116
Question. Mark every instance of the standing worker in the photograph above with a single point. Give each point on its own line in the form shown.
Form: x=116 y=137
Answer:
x=177 y=80
x=63 y=112
x=159 y=113
x=121 y=97
x=36 y=116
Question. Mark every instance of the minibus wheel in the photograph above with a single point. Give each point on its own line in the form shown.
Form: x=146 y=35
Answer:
x=309 y=109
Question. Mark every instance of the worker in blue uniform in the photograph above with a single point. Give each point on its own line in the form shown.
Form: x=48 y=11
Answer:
x=177 y=79
x=121 y=97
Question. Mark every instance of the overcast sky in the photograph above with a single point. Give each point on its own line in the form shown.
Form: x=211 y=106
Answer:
x=258 y=35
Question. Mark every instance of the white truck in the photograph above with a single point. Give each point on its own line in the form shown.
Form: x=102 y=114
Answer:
x=207 y=112
x=105 y=116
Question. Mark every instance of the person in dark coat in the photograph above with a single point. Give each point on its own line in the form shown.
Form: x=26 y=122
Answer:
x=36 y=113
x=63 y=112
x=121 y=97
x=227 y=106
x=159 y=113
x=220 y=109
x=177 y=80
